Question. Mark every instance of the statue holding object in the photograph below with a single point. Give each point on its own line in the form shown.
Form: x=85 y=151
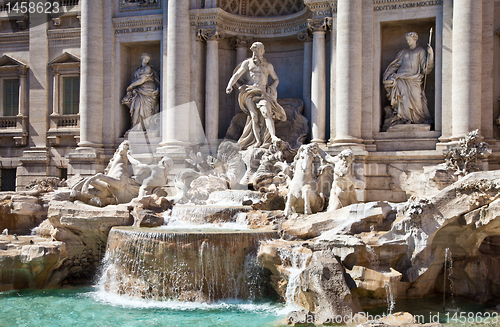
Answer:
x=404 y=81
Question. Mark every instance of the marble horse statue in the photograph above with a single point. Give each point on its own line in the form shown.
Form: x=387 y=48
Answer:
x=113 y=187
x=307 y=190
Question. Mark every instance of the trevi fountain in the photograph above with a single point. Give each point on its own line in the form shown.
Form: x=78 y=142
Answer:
x=269 y=226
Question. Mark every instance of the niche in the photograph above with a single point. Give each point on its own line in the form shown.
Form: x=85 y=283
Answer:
x=393 y=41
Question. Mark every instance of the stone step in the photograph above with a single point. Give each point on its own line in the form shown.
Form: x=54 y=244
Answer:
x=385 y=195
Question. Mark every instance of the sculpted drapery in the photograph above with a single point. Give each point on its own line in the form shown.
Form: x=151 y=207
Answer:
x=403 y=80
x=143 y=94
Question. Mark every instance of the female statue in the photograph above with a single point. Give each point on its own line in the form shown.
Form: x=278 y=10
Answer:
x=403 y=81
x=143 y=94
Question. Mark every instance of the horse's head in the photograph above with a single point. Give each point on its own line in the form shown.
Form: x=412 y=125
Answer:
x=305 y=157
x=123 y=148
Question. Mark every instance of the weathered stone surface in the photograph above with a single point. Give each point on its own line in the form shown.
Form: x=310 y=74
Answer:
x=28 y=261
x=324 y=289
x=350 y=220
x=20 y=213
x=146 y=218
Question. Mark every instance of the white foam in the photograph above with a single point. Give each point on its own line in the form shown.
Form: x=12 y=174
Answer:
x=100 y=295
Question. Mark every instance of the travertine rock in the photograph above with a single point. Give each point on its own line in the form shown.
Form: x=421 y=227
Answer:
x=20 y=213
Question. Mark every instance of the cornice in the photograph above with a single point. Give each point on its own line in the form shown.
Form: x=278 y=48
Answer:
x=15 y=37
x=67 y=33
x=237 y=25
x=128 y=22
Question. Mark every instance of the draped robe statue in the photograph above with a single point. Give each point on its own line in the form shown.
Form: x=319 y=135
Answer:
x=143 y=94
x=403 y=80
x=257 y=99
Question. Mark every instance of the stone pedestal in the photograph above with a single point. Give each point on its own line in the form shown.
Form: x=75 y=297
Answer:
x=407 y=137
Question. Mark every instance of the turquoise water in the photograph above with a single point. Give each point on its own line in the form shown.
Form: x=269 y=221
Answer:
x=89 y=307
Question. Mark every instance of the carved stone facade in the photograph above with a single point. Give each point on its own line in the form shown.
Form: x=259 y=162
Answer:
x=329 y=54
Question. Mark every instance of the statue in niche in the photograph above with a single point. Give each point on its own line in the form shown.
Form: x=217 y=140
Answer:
x=257 y=99
x=143 y=94
x=403 y=81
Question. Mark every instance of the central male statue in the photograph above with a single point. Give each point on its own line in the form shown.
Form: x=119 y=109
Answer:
x=257 y=99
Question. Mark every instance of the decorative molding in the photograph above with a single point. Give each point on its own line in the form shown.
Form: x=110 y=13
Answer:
x=322 y=8
x=130 y=22
x=67 y=33
x=236 y=25
x=140 y=24
x=210 y=34
x=305 y=35
x=15 y=37
x=403 y=4
x=128 y=5
x=66 y=36
x=241 y=41
x=318 y=24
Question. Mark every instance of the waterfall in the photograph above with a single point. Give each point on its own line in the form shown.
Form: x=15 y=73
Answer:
x=448 y=276
x=295 y=262
x=372 y=257
x=186 y=216
x=188 y=265
x=390 y=291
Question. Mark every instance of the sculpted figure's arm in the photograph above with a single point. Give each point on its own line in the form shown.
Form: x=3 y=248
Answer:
x=145 y=77
x=392 y=69
x=428 y=62
x=243 y=68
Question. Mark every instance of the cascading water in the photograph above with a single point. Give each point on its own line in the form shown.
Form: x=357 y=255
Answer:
x=448 y=277
x=187 y=265
x=372 y=257
x=295 y=262
x=190 y=215
x=390 y=291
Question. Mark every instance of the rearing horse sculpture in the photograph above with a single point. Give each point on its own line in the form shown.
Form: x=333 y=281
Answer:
x=113 y=187
x=305 y=189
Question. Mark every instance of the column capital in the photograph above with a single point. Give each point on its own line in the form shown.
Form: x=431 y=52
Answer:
x=319 y=24
x=305 y=35
x=241 y=41
x=210 y=34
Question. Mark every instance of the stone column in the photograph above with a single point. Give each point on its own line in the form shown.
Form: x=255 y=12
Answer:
x=92 y=74
x=55 y=93
x=23 y=93
x=466 y=81
x=318 y=79
x=241 y=43
x=349 y=72
x=212 y=35
x=306 y=77
x=175 y=119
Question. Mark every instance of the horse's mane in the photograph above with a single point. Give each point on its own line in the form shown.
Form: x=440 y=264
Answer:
x=116 y=155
